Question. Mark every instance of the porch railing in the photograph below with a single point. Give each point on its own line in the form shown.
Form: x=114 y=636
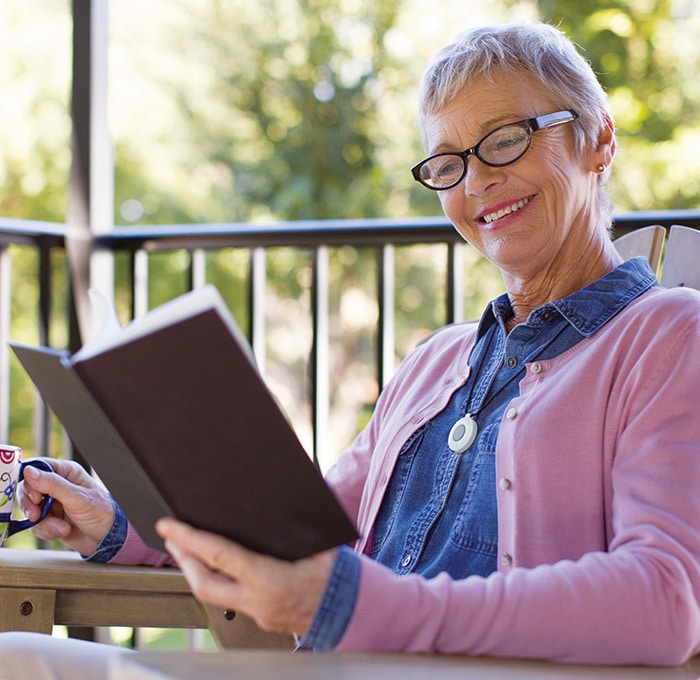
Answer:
x=54 y=320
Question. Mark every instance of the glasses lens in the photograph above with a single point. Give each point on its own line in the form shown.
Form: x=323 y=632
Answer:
x=442 y=171
x=505 y=144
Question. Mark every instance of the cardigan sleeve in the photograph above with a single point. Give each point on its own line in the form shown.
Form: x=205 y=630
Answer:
x=135 y=551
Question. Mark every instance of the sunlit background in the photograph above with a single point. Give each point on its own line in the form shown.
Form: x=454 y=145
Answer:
x=231 y=110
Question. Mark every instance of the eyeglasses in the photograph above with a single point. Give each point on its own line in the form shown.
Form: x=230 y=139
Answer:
x=502 y=146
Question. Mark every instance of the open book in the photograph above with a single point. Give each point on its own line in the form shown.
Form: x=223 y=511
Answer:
x=173 y=415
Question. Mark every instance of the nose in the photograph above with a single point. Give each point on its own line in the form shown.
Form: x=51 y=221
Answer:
x=481 y=178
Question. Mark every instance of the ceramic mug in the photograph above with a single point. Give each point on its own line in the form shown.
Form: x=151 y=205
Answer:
x=11 y=474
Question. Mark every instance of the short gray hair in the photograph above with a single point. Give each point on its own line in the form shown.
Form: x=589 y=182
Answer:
x=535 y=49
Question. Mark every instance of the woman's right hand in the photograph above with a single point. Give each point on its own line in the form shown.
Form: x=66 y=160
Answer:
x=82 y=512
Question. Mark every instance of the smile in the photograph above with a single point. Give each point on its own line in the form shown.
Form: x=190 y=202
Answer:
x=505 y=211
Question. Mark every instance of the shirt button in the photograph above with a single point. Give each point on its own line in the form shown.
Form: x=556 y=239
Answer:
x=512 y=413
x=506 y=560
x=512 y=362
x=406 y=561
x=536 y=367
x=547 y=315
x=504 y=483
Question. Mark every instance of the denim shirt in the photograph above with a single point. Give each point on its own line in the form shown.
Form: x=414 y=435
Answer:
x=439 y=512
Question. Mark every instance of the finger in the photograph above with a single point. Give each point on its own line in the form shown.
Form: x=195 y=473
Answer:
x=61 y=488
x=29 y=499
x=206 y=585
x=69 y=470
x=51 y=528
x=216 y=552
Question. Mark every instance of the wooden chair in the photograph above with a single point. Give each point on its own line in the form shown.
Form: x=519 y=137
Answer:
x=647 y=241
x=682 y=258
x=40 y=588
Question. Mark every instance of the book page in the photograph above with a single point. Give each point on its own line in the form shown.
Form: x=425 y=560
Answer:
x=111 y=334
x=104 y=317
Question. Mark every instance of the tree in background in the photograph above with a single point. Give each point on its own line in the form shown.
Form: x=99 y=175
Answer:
x=647 y=56
x=274 y=110
x=230 y=110
x=227 y=111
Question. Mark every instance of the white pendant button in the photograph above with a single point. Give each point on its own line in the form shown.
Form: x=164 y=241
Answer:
x=462 y=434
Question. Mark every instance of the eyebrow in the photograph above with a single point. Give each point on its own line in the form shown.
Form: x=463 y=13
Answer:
x=486 y=127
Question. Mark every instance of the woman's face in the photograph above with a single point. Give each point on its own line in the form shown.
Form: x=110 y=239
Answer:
x=550 y=191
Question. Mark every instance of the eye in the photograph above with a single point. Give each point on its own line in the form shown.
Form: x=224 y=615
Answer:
x=445 y=167
x=505 y=141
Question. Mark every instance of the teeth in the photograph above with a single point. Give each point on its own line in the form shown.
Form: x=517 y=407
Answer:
x=505 y=211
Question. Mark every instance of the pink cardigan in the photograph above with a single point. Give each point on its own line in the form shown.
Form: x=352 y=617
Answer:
x=598 y=469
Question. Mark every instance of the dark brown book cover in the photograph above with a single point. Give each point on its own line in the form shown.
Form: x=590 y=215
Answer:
x=179 y=422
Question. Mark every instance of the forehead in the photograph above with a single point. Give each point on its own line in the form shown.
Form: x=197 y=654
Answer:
x=482 y=105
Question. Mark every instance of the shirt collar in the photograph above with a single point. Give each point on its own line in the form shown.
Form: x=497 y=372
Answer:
x=589 y=308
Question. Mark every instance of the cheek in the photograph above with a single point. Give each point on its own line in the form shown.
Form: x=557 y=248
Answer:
x=563 y=169
x=454 y=207
x=452 y=203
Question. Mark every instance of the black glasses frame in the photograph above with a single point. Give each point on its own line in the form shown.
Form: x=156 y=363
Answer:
x=530 y=125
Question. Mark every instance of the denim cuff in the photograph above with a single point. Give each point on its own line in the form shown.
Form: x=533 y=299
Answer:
x=337 y=604
x=113 y=541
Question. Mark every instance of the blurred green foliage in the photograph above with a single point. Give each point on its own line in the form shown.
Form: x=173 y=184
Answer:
x=647 y=56
x=227 y=110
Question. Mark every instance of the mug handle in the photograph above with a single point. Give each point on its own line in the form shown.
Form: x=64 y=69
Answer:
x=22 y=524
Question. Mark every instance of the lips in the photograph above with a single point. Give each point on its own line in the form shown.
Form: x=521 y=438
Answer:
x=506 y=210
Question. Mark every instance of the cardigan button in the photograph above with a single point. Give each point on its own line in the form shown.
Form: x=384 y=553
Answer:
x=536 y=367
x=506 y=559
x=504 y=483
x=512 y=414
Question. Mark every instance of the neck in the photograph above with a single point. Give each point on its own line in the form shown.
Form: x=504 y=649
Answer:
x=556 y=282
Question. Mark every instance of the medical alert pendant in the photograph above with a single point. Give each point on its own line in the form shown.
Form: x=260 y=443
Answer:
x=463 y=434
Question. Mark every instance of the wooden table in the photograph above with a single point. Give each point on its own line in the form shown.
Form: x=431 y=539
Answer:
x=40 y=588
x=278 y=665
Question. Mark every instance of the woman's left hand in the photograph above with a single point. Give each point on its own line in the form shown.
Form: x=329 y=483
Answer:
x=279 y=596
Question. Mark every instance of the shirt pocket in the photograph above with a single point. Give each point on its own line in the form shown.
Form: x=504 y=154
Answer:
x=396 y=489
x=475 y=528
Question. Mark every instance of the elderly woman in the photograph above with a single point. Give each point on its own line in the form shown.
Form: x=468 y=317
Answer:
x=527 y=486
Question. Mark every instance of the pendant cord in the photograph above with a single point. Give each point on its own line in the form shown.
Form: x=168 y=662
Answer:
x=484 y=400
x=477 y=374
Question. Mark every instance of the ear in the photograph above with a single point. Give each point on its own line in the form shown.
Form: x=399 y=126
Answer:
x=605 y=150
